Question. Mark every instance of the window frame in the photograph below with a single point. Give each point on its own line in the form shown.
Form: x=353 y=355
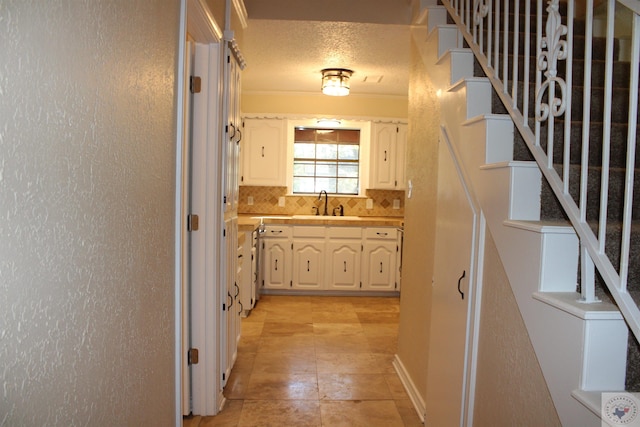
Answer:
x=363 y=162
x=313 y=137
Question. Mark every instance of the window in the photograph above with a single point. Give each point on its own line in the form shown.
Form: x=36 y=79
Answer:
x=326 y=159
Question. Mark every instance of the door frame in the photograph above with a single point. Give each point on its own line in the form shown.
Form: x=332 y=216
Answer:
x=202 y=181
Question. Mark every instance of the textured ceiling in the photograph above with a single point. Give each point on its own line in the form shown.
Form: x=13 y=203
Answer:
x=288 y=54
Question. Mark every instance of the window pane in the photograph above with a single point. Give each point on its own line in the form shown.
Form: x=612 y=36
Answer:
x=303 y=185
x=327 y=151
x=327 y=184
x=304 y=168
x=305 y=135
x=304 y=151
x=326 y=169
x=347 y=170
x=348 y=185
x=327 y=135
x=348 y=152
x=352 y=136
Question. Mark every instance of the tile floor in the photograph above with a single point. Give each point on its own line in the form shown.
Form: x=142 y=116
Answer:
x=316 y=361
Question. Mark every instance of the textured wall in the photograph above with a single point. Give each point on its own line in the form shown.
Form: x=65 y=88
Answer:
x=87 y=160
x=420 y=213
x=510 y=389
x=318 y=104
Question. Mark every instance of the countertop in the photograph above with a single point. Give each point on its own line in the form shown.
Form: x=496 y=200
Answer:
x=248 y=222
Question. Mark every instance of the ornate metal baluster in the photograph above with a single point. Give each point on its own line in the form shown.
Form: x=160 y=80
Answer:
x=553 y=49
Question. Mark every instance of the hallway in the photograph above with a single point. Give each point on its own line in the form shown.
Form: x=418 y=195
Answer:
x=316 y=361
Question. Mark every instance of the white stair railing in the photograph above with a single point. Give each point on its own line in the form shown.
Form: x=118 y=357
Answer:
x=493 y=31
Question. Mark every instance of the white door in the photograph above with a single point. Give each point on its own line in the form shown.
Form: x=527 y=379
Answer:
x=450 y=297
x=185 y=237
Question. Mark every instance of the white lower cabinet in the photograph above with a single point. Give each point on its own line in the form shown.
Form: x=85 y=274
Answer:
x=344 y=255
x=379 y=254
x=276 y=257
x=248 y=259
x=308 y=257
x=318 y=258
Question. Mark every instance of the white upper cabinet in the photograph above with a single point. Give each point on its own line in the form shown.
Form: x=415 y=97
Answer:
x=388 y=146
x=264 y=152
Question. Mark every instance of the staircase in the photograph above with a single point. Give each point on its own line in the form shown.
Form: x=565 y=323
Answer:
x=584 y=349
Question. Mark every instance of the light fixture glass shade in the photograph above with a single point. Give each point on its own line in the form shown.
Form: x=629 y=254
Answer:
x=335 y=81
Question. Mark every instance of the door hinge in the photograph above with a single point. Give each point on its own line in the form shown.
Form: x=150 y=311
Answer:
x=192 y=222
x=224 y=376
x=224 y=232
x=195 y=84
x=292 y=246
x=224 y=307
x=291 y=283
x=396 y=285
x=241 y=178
x=360 y=285
x=361 y=248
x=224 y=199
x=192 y=356
x=397 y=248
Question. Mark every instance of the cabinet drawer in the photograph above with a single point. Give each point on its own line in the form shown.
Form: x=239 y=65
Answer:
x=308 y=231
x=386 y=233
x=277 y=231
x=344 y=232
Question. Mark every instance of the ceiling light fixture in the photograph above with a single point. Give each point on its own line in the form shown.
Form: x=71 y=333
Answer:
x=335 y=81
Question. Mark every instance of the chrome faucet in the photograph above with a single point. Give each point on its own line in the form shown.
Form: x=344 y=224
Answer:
x=326 y=201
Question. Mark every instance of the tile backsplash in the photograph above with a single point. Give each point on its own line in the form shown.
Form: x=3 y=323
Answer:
x=265 y=201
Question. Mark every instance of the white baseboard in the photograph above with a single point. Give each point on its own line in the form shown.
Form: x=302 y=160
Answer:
x=410 y=388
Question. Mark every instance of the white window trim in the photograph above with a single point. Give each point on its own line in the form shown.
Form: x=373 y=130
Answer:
x=365 y=142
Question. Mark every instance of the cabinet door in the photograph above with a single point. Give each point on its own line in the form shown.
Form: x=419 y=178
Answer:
x=264 y=152
x=308 y=264
x=276 y=265
x=233 y=135
x=383 y=156
x=343 y=259
x=399 y=243
x=231 y=298
x=248 y=278
x=380 y=268
x=401 y=152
